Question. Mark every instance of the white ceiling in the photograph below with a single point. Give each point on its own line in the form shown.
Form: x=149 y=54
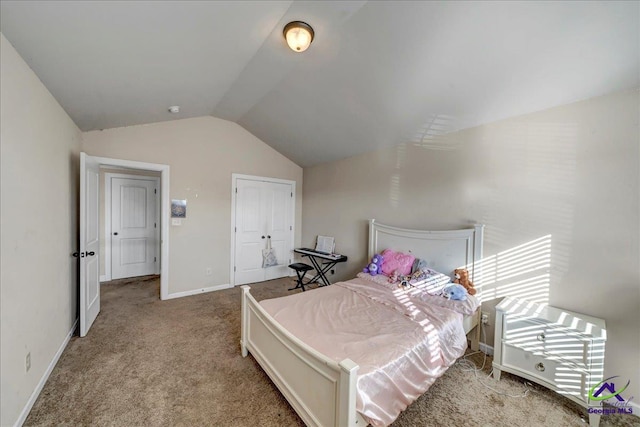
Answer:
x=378 y=73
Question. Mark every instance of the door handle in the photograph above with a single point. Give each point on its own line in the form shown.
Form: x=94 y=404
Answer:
x=76 y=254
x=263 y=237
x=115 y=234
x=92 y=253
x=268 y=237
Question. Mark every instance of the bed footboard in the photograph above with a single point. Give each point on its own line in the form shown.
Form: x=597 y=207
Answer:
x=321 y=391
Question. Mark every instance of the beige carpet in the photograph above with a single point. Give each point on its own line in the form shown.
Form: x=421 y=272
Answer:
x=178 y=363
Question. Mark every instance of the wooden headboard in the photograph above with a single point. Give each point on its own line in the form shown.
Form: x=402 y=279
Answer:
x=444 y=250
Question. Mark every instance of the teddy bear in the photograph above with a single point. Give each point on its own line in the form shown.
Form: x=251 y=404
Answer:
x=455 y=292
x=462 y=278
x=375 y=266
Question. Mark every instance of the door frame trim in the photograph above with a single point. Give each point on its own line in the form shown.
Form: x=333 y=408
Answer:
x=107 y=218
x=234 y=180
x=165 y=211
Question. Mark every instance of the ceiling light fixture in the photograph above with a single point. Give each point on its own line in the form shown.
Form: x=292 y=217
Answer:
x=299 y=35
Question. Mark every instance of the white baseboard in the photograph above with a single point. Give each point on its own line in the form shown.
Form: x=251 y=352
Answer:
x=486 y=349
x=104 y=278
x=198 y=291
x=36 y=392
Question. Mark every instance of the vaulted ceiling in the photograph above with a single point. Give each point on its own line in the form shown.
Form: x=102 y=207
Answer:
x=377 y=74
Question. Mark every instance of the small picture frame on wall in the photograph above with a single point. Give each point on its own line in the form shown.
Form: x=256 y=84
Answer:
x=178 y=208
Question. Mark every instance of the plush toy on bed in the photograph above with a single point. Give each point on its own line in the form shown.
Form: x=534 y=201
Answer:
x=455 y=292
x=418 y=265
x=375 y=266
x=402 y=281
x=462 y=278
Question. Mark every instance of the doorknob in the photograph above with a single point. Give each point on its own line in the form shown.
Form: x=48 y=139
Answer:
x=92 y=253
x=268 y=237
x=115 y=234
x=76 y=254
x=263 y=237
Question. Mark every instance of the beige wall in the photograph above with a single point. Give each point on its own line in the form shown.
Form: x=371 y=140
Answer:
x=568 y=176
x=202 y=153
x=39 y=158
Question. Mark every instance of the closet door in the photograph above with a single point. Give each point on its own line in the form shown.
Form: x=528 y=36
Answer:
x=279 y=226
x=262 y=215
x=250 y=235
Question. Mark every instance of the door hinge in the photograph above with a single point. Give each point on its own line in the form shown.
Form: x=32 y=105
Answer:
x=292 y=194
x=290 y=228
x=236 y=190
x=154 y=259
x=234 y=268
x=235 y=229
x=155 y=191
x=155 y=225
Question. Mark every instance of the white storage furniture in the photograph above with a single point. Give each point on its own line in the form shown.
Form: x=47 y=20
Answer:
x=556 y=348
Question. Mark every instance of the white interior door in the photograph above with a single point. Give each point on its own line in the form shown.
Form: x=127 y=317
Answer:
x=89 y=242
x=250 y=232
x=134 y=227
x=279 y=226
x=262 y=213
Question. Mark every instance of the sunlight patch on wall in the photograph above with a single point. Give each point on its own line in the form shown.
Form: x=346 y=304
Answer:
x=394 y=182
x=532 y=190
x=394 y=190
x=431 y=133
x=522 y=272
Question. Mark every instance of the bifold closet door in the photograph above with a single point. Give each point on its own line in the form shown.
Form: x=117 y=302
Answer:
x=263 y=215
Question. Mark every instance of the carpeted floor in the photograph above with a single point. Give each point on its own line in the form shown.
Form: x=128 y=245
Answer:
x=177 y=363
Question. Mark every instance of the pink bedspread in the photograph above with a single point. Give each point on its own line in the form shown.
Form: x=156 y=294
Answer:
x=401 y=344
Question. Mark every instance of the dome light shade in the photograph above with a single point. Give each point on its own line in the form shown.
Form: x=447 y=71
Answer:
x=299 y=35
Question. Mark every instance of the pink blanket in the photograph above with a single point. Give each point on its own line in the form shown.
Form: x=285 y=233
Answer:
x=401 y=344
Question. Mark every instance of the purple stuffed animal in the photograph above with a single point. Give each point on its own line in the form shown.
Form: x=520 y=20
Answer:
x=375 y=266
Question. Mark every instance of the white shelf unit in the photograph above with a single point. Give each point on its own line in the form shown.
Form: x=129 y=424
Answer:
x=556 y=348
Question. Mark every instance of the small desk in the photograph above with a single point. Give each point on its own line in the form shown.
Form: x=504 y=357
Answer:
x=321 y=263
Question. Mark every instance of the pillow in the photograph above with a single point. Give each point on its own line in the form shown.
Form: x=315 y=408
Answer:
x=396 y=261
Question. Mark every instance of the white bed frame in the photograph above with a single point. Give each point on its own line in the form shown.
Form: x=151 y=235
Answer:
x=321 y=391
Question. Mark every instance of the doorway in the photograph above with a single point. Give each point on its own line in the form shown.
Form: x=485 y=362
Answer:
x=89 y=218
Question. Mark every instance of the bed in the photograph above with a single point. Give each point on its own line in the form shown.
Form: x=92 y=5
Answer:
x=307 y=342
